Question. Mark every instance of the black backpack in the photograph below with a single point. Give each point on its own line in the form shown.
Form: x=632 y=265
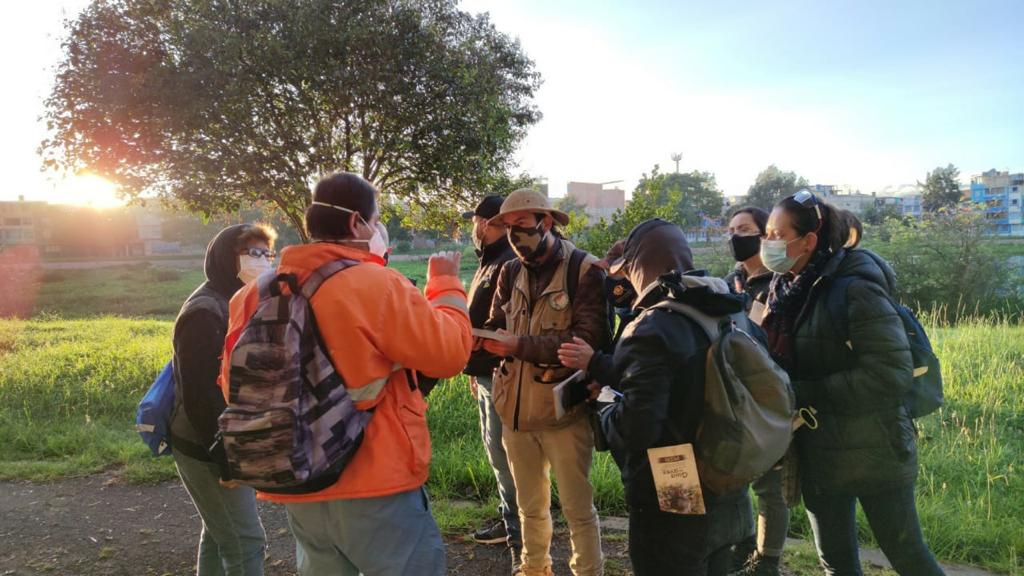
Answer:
x=925 y=395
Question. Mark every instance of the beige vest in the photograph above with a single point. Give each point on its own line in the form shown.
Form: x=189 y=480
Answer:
x=522 y=390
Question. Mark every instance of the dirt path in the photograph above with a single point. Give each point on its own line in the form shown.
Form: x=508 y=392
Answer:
x=97 y=526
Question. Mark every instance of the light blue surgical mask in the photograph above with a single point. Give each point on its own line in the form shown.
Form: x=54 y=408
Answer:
x=775 y=257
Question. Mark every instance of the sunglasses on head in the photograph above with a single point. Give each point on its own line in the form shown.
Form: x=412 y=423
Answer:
x=261 y=253
x=808 y=200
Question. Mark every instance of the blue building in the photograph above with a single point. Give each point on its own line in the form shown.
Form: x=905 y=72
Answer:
x=1000 y=193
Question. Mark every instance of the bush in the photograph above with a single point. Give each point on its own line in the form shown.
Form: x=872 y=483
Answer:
x=946 y=262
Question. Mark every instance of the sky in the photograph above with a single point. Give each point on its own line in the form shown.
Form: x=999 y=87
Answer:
x=865 y=94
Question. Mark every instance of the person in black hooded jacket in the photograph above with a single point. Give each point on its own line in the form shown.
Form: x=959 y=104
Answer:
x=861 y=444
x=659 y=363
x=232 y=540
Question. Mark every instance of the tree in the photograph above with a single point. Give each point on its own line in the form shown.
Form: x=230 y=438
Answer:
x=687 y=199
x=878 y=213
x=218 y=104
x=941 y=189
x=773 y=185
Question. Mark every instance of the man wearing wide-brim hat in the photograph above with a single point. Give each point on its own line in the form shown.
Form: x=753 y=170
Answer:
x=549 y=294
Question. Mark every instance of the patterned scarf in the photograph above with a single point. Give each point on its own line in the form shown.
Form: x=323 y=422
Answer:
x=786 y=298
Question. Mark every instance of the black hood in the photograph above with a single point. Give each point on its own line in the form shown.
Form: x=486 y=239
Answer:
x=696 y=288
x=222 y=261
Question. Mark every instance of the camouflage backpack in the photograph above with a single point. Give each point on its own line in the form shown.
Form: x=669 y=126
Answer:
x=290 y=426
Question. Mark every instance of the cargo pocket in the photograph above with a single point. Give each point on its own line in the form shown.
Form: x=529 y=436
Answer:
x=413 y=419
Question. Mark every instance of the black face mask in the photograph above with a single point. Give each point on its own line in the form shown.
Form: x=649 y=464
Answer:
x=620 y=292
x=743 y=247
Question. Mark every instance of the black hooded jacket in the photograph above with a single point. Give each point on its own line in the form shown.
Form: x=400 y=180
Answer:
x=199 y=333
x=659 y=364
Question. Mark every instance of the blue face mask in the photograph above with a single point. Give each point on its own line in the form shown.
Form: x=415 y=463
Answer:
x=775 y=256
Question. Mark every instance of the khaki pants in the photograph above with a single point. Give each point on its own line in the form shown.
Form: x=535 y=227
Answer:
x=568 y=451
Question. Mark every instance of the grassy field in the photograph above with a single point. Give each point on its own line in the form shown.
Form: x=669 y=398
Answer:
x=69 y=383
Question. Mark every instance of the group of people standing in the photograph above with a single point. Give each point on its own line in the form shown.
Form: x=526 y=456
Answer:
x=546 y=309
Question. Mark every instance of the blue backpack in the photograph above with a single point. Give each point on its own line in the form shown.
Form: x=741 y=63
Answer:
x=925 y=395
x=153 y=417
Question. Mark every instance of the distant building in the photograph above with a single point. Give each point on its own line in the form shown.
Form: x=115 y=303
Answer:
x=598 y=202
x=22 y=223
x=1001 y=194
x=856 y=202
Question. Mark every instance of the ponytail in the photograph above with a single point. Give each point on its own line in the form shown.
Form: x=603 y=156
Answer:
x=837 y=228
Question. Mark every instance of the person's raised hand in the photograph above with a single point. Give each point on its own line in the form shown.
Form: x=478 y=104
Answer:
x=575 y=354
x=444 y=264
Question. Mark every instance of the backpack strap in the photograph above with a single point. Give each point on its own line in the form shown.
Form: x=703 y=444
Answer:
x=712 y=326
x=321 y=274
x=575 y=270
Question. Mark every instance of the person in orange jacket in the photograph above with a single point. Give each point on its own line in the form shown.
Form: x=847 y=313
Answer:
x=379 y=330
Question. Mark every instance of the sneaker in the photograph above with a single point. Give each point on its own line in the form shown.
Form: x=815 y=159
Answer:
x=495 y=534
x=760 y=566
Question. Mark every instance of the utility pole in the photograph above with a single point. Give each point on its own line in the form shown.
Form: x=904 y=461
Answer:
x=676 y=158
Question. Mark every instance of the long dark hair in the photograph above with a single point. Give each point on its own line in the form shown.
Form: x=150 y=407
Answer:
x=837 y=228
x=342 y=189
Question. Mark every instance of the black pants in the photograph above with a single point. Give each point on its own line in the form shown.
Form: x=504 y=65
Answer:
x=665 y=544
x=893 y=518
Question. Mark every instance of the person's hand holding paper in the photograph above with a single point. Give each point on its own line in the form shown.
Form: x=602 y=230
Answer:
x=497 y=342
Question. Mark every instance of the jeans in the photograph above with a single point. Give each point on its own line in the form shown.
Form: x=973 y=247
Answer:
x=232 y=541
x=893 y=518
x=568 y=452
x=490 y=433
x=391 y=535
x=772 y=513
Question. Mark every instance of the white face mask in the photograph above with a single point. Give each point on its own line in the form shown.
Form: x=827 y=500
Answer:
x=379 y=242
x=250 y=267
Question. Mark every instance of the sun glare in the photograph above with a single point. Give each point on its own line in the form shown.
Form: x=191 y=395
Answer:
x=86 y=190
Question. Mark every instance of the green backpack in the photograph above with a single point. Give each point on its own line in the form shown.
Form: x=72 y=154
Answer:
x=749 y=406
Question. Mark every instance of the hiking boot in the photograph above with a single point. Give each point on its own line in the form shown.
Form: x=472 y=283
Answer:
x=760 y=566
x=743 y=553
x=495 y=534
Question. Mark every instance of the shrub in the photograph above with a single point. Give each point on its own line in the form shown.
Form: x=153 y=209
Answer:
x=946 y=262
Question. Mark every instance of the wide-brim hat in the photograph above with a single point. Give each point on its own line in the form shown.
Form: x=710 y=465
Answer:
x=526 y=200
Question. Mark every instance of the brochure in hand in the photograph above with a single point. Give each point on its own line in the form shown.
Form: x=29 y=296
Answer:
x=490 y=334
x=570 y=392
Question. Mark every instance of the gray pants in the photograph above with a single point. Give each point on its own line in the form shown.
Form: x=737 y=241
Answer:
x=232 y=541
x=490 y=433
x=387 y=536
x=772 y=513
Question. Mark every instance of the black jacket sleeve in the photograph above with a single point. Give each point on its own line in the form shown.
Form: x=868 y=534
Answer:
x=198 y=348
x=637 y=420
x=602 y=369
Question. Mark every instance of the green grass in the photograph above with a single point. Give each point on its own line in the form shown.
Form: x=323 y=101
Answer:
x=136 y=290
x=68 y=390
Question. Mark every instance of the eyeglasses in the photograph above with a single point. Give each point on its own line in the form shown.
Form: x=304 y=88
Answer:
x=260 y=253
x=808 y=200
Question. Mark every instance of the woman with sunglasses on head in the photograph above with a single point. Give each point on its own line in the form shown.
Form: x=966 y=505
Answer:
x=232 y=541
x=862 y=445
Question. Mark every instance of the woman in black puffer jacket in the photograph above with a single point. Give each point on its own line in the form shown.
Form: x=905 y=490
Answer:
x=862 y=447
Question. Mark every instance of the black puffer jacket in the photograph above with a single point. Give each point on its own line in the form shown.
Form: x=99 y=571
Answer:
x=755 y=287
x=865 y=441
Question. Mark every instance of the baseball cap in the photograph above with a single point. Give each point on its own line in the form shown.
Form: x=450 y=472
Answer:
x=488 y=207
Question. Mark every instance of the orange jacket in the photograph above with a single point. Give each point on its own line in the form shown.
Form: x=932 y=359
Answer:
x=374 y=324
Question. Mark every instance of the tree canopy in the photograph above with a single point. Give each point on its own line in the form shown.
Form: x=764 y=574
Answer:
x=772 y=185
x=941 y=189
x=687 y=199
x=219 y=104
